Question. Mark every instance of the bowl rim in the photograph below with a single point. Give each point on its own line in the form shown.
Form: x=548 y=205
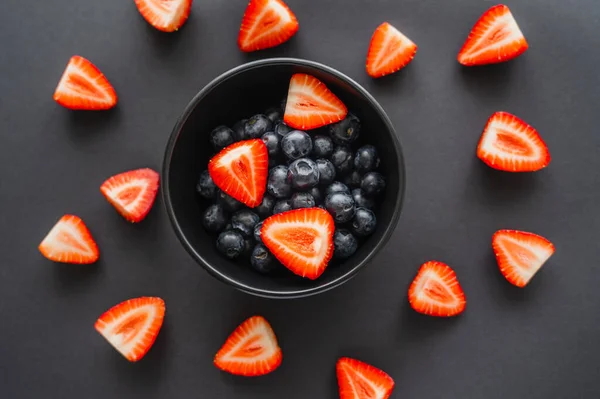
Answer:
x=291 y=294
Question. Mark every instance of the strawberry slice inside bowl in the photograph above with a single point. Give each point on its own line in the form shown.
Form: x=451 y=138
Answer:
x=238 y=94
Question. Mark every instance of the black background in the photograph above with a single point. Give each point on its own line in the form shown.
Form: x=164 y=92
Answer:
x=540 y=342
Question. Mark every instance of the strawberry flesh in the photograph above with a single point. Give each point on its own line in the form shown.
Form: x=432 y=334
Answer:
x=70 y=241
x=359 y=380
x=266 y=24
x=389 y=51
x=435 y=291
x=132 y=193
x=165 y=15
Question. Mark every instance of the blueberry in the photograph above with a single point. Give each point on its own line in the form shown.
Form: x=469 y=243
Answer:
x=352 y=179
x=372 y=183
x=282 y=129
x=302 y=200
x=238 y=129
x=248 y=246
x=277 y=183
x=257 y=232
x=296 y=144
x=342 y=159
x=364 y=222
x=326 y=171
x=229 y=203
x=271 y=140
x=345 y=131
x=262 y=260
x=244 y=221
x=366 y=159
x=221 y=137
x=257 y=126
x=341 y=206
x=322 y=147
x=214 y=218
x=265 y=209
x=206 y=186
x=316 y=193
x=336 y=187
x=344 y=244
x=282 y=206
x=303 y=174
x=274 y=114
x=230 y=243
x=361 y=200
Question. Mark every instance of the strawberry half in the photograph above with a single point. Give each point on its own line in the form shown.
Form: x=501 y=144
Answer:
x=389 y=51
x=495 y=38
x=165 y=15
x=511 y=145
x=310 y=104
x=520 y=254
x=132 y=326
x=70 y=241
x=436 y=291
x=302 y=240
x=358 y=380
x=266 y=23
x=251 y=350
x=241 y=170
x=132 y=193
x=83 y=87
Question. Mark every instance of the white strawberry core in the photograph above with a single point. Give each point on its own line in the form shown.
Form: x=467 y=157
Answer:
x=529 y=260
x=260 y=341
x=114 y=193
x=496 y=142
x=284 y=19
x=58 y=240
x=317 y=248
x=380 y=393
x=168 y=11
x=504 y=26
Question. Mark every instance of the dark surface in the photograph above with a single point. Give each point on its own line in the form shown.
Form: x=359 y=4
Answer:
x=541 y=342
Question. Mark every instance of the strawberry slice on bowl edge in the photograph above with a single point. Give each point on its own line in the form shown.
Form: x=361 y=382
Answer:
x=266 y=24
x=520 y=254
x=495 y=38
x=241 y=170
x=251 y=350
x=359 y=380
x=132 y=326
x=132 y=193
x=165 y=15
x=310 y=104
x=511 y=145
x=301 y=239
x=389 y=51
x=70 y=241
x=435 y=291
x=83 y=87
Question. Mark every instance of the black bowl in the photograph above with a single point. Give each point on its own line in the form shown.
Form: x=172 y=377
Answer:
x=240 y=93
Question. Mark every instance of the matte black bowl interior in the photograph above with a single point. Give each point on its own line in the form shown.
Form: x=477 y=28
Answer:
x=241 y=93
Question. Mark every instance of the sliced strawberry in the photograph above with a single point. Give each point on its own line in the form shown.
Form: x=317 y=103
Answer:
x=241 y=170
x=310 y=104
x=520 y=254
x=511 y=145
x=302 y=240
x=165 y=15
x=389 y=51
x=358 y=380
x=266 y=23
x=70 y=241
x=132 y=193
x=495 y=38
x=436 y=291
x=251 y=350
x=83 y=87
x=132 y=326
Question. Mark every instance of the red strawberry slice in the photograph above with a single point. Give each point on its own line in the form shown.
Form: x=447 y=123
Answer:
x=520 y=254
x=310 y=104
x=241 y=170
x=358 y=380
x=70 y=241
x=266 y=23
x=132 y=326
x=302 y=240
x=436 y=291
x=251 y=350
x=495 y=38
x=165 y=15
x=132 y=193
x=83 y=87
x=511 y=145
x=389 y=51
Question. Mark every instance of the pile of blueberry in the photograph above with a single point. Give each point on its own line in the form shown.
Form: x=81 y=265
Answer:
x=318 y=170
